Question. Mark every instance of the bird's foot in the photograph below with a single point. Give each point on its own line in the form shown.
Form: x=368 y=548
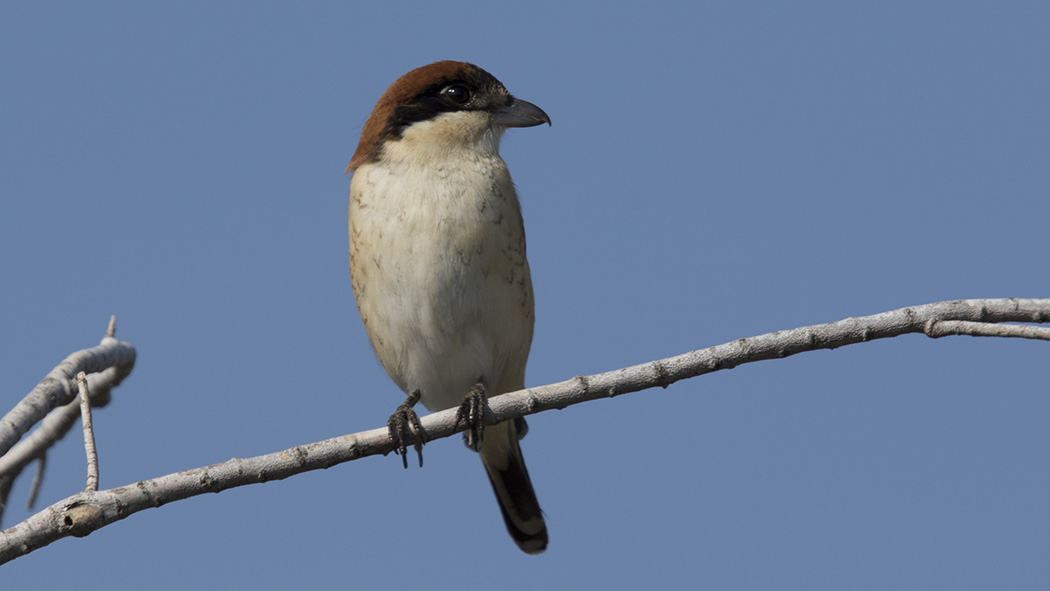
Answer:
x=398 y=426
x=472 y=412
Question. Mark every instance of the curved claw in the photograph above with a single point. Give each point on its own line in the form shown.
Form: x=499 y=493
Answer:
x=398 y=426
x=472 y=412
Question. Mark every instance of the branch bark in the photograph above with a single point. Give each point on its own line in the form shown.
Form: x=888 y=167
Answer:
x=85 y=512
x=89 y=433
x=59 y=387
x=53 y=428
x=56 y=400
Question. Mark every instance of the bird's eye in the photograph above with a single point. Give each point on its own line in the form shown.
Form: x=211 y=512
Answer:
x=457 y=94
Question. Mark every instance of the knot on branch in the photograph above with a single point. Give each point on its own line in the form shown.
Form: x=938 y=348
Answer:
x=80 y=519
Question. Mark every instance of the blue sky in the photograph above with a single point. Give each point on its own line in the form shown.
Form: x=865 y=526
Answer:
x=714 y=170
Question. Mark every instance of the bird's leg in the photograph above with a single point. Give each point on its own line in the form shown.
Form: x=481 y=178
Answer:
x=472 y=412
x=398 y=424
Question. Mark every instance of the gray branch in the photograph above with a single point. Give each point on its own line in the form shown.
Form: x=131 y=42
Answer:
x=59 y=387
x=56 y=399
x=86 y=512
x=57 y=424
x=89 y=433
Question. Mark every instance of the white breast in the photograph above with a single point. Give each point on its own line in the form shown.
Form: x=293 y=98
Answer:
x=437 y=257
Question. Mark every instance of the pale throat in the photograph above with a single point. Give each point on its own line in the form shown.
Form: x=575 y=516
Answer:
x=450 y=137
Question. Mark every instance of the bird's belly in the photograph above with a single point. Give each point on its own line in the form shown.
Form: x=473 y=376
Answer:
x=445 y=327
x=445 y=293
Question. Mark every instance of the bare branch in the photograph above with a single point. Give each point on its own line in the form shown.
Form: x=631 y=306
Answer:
x=38 y=480
x=57 y=424
x=58 y=389
x=89 y=433
x=981 y=329
x=85 y=512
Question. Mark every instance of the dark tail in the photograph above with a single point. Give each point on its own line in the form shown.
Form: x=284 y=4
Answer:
x=501 y=455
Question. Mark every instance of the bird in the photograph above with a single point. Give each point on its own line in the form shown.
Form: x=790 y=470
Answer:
x=438 y=265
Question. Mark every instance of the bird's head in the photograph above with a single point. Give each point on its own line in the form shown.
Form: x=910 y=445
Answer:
x=439 y=110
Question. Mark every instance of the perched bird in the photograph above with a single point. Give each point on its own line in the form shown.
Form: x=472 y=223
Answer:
x=437 y=263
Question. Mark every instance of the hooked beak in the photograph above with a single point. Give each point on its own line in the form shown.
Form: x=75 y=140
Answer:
x=520 y=113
